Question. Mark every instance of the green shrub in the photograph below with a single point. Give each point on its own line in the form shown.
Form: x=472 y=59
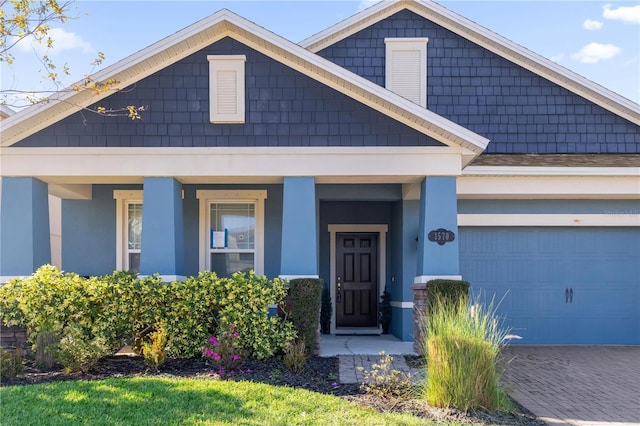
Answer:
x=10 y=363
x=295 y=356
x=305 y=295
x=462 y=351
x=77 y=353
x=154 y=349
x=244 y=301
x=120 y=308
x=46 y=343
x=447 y=291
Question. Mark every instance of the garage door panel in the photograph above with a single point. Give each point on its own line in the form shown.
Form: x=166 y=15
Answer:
x=535 y=267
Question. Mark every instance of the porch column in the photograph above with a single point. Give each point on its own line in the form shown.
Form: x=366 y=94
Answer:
x=438 y=254
x=24 y=227
x=162 y=248
x=299 y=255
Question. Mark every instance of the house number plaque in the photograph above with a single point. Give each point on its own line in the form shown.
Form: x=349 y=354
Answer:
x=441 y=236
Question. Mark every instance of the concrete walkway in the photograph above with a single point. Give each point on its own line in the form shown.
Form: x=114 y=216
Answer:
x=577 y=385
x=364 y=351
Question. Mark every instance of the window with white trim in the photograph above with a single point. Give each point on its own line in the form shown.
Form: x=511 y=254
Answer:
x=406 y=68
x=226 y=88
x=231 y=230
x=128 y=229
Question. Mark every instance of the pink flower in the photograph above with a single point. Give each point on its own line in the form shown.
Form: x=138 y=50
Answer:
x=236 y=334
x=213 y=340
x=216 y=356
x=210 y=353
x=235 y=357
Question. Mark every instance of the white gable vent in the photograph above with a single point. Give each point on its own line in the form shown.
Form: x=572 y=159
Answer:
x=226 y=88
x=406 y=68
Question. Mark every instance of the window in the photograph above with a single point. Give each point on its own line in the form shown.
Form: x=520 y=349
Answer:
x=406 y=68
x=128 y=229
x=231 y=230
x=226 y=88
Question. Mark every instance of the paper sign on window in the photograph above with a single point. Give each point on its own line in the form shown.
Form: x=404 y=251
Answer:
x=218 y=239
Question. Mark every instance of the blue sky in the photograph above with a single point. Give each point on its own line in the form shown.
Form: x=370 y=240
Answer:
x=599 y=40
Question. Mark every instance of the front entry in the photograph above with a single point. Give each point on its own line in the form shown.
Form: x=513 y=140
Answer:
x=356 y=281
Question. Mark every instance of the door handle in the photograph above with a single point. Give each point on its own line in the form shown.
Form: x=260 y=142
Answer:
x=568 y=295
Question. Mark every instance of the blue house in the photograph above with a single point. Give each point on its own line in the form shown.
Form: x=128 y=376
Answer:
x=403 y=144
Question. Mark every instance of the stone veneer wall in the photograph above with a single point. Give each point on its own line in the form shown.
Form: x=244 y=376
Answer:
x=419 y=311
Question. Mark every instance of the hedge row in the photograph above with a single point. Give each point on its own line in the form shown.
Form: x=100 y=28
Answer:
x=121 y=308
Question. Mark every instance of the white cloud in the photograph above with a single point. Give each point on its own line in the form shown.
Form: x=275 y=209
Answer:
x=629 y=14
x=62 y=40
x=593 y=53
x=364 y=4
x=557 y=58
x=588 y=24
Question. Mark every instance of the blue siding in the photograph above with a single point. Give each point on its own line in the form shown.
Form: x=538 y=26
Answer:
x=24 y=226
x=517 y=110
x=283 y=108
x=89 y=232
x=529 y=270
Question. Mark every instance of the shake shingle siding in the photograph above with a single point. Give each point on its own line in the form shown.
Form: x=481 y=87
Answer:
x=283 y=108
x=517 y=110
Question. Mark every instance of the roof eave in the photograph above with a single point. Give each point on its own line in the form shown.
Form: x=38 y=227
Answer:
x=225 y=23
x=480 y=35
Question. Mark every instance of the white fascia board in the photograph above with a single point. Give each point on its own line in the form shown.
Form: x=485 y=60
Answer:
x=573 y=219
x=98 y=164
x=480 y=35
x=549 y=171
x=548 y=187
x=225 y=23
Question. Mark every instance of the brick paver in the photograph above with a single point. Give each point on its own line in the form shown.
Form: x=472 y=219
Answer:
x=576 y=385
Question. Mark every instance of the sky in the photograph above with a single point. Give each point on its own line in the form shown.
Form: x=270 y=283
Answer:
x=599 y=40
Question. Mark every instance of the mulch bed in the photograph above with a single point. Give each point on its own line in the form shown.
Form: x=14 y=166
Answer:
x=319 y=375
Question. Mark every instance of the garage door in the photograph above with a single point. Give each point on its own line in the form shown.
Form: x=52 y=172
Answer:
x=559 y=285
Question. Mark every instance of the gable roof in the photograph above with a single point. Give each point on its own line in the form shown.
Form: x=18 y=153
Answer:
x=485 y=38
x=225 y=23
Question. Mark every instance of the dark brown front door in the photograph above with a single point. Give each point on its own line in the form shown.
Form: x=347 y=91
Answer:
x=356 y=280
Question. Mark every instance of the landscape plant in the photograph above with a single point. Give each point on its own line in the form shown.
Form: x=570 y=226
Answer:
x=305 y=295
x=385 y=381
x=10 y=363
x=154 y=349
x=462 y=352
x=121 y=308
x=295 y=356
x=223 y=350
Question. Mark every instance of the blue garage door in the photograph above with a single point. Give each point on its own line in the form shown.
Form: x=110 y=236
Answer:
x=559 y=285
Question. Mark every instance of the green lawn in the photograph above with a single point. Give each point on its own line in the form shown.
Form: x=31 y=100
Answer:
x=172 y=401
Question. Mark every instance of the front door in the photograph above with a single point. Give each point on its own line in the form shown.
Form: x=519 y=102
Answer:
x=356 y=280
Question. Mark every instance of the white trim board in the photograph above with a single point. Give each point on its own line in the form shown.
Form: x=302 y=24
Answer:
x=548 y=187
x=577 y=220
x=381 y=230
x=199 y=165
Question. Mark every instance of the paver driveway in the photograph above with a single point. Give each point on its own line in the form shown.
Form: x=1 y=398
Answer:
x=577 y=385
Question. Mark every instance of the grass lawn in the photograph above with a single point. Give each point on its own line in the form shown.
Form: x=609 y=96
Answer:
x=173 y=401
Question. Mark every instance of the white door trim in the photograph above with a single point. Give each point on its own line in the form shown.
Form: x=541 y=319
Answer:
x=381 y=230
